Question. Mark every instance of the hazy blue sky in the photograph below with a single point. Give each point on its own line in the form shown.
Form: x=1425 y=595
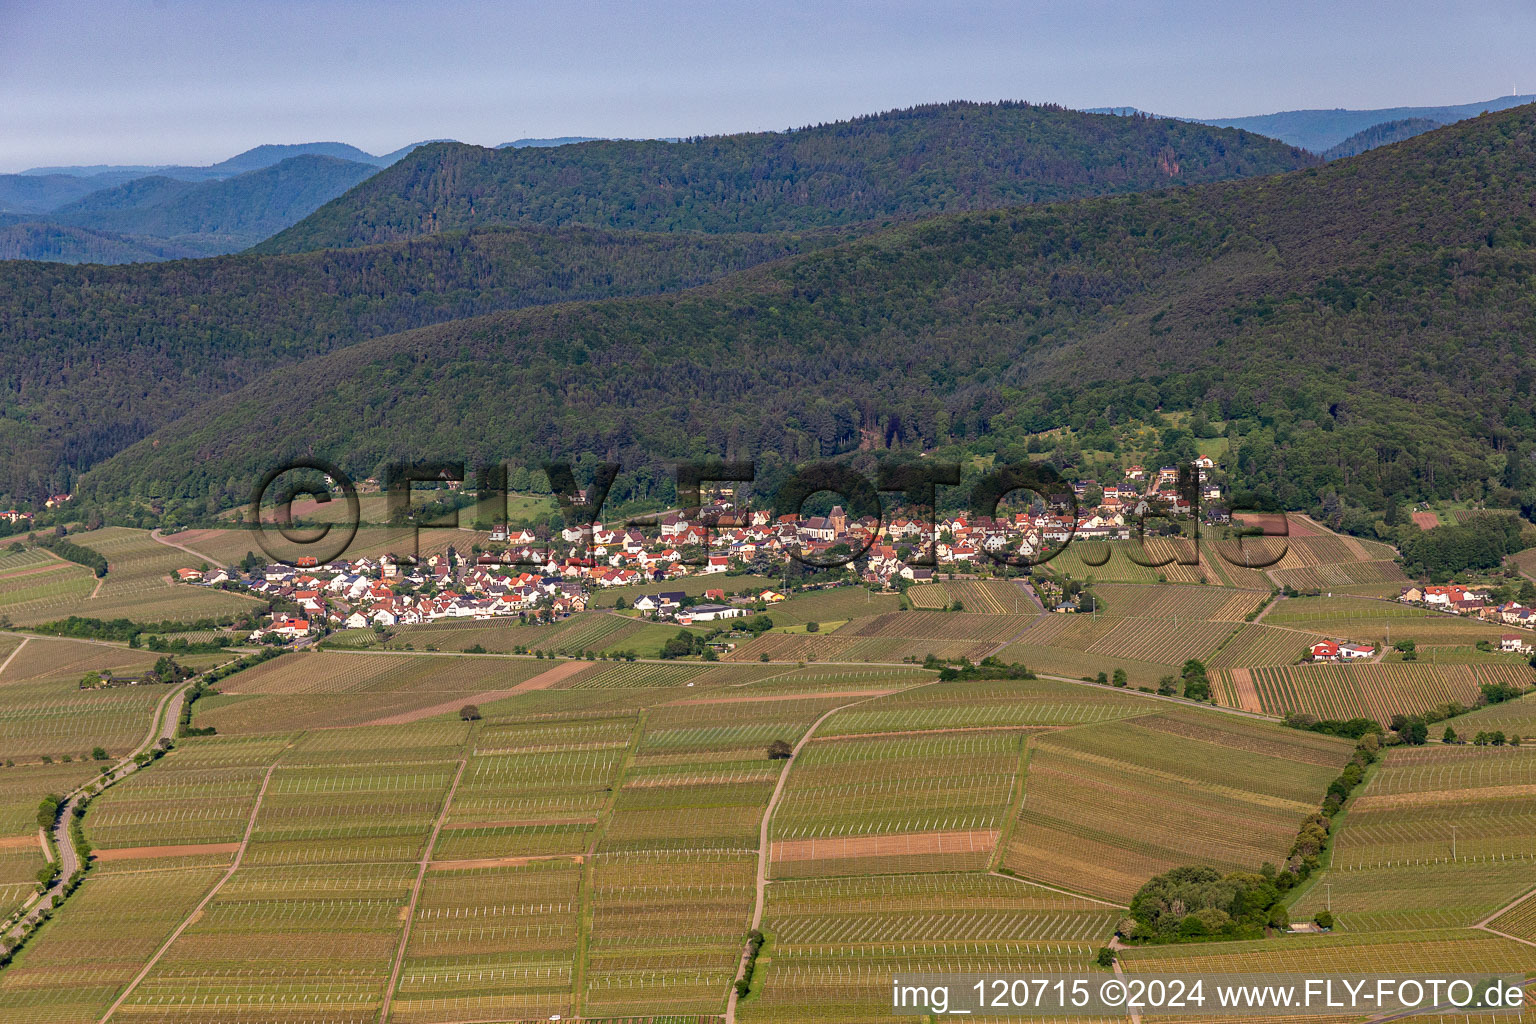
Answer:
x=181 y=82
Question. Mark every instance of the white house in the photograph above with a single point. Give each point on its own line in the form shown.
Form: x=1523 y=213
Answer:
x=711 y=612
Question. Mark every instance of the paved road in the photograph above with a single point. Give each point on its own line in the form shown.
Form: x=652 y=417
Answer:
x=163 y=725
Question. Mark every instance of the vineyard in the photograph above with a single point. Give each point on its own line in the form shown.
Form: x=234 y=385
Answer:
x=1257 y=644
x=987 y=597
x=36 y=586
x=838 y=941
x=1419 y=953
x=1108 y=807
x=993 y=704
x=1376 y=691
x=991 y=597
x=929 y=596
x=1160 y=641
x=71 y=974
x=939 y=626
x=1439 y=838
x=1347 y=574
x=1185 y=604
x=839 y=647
x=1115 y=562
x=45 y=714
x=881 y=788
x=331 y=689
x=138 y=584
x=588 y=847
x=595 y=631
x=1079 y=664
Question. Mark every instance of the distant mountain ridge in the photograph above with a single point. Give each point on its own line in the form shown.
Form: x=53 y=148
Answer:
x=251 y=160
x=561 y=140
x=221 y=216
x=1383 y=134
x=117 y=217
x=901 y=163
x=1364 y=320
x=142 y=346
x=1318 y=131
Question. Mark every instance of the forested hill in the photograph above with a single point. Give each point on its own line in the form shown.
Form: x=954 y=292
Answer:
x=929 y=159
x=1366 y=326
x=97 y=357
x=222 y=215
x=1383 y=134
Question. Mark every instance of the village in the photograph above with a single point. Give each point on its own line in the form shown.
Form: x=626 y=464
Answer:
x=1471 y=601
x=515 y=573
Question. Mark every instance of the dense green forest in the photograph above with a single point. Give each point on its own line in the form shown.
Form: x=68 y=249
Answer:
x=98 y=357
x=940 y=157
x=26 y=238
x=1481 y=543
x=1364 y=327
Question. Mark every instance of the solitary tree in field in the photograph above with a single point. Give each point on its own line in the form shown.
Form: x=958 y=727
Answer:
x=469 y=713
x=779 y=750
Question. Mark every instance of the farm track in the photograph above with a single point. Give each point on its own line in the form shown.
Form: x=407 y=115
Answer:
x=197 y=912
x=1056 y=888
x=764 y=847
x=421 y=873
x=12 y=656
x=159 y=538
x=1486 y=924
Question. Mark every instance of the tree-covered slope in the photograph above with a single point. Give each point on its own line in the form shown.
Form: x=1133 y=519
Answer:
x=60 y=243
x=219 y=216
x=930 y=159
x=39 y=193
x=1367 y=324
x=97 y=357
x=1383 y=134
